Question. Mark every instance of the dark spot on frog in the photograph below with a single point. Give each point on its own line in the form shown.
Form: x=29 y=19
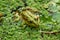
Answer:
x=30 y=21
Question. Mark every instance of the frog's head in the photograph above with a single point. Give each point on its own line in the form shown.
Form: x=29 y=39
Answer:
x=30 y=16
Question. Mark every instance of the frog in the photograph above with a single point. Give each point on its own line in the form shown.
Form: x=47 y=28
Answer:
x=29 y=16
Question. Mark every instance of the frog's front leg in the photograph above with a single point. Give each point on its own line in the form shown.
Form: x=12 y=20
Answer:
x=23 y=24
x=16 y=17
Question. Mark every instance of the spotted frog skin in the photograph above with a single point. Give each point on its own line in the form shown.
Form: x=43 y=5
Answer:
x=29 y=16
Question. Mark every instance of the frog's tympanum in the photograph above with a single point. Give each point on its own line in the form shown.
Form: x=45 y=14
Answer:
x=30 y=16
